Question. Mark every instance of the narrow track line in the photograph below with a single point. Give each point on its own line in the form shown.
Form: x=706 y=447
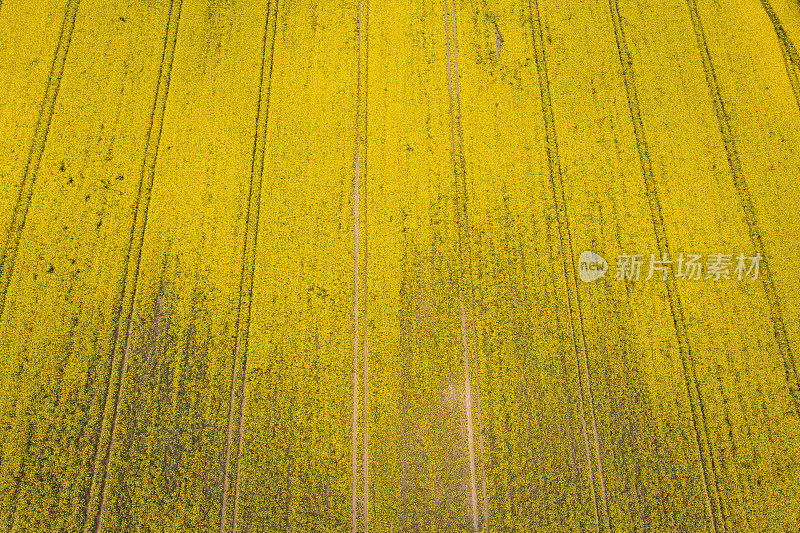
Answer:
x=142 y=203
x=711 y=492
x=742 y=190
x=459 y=169
x=42 y=128
x=790 y=56
x=463 y=207
x=356 y=239
x=240 y=434
x=247 y=273
x=365 y=451
x=562 y=221
x=481 y=445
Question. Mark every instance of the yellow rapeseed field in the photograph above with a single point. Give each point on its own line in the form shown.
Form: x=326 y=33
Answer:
x=452 y=265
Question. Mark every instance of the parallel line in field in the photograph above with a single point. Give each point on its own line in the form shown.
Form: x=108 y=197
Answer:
x=254 y=253
x=459 y=168
x=22 y=205
x=247 y=274
x=481 y=443
x=742 y=189
x=134 y=248
x=365 y=451
x=741 y=486
x=562 y=221
x=746 y=200
x=40 y=132
x=790 y=56
x=569 y=430
x=710 y=487
x=356 y=239
x=468 y=239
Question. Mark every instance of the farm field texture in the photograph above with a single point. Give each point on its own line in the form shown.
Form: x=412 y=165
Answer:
x=283 y=265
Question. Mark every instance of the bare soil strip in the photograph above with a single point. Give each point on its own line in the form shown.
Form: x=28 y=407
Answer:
x=356 y=239
x=457 y=155
x=365 y=451
x=467 y=237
